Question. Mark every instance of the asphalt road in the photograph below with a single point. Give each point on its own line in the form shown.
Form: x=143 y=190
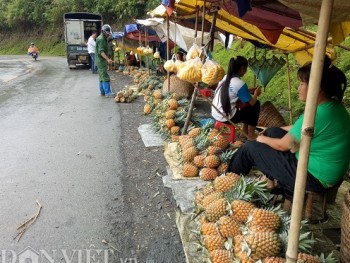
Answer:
x=60 y=146
x=81 y=157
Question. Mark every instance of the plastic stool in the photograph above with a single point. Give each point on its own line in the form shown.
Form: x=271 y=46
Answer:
x=231 y=135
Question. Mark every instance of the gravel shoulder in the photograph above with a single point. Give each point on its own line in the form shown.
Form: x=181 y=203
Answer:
x=145 y=227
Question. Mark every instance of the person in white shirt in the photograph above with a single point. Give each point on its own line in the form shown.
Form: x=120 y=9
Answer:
x=91 y=45
x=234 y=100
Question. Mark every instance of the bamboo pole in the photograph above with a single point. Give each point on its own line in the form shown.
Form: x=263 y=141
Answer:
x=308 y=129
x=212 y=31
x=167 y=47
x=196 y=23
x=189 y=113
x=289 y=92
x=203 y=21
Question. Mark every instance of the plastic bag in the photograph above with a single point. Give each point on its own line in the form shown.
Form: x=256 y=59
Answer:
x=212 y=72
x=191 y=71
x=194 y=52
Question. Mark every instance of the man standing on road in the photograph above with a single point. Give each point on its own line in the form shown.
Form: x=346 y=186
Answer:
x=91 y=45
x=102 y=60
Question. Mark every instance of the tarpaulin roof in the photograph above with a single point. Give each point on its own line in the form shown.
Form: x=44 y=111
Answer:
x=290 y=40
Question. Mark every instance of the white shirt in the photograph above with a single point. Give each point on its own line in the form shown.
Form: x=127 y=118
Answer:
x=91 y=45
x=237 y=88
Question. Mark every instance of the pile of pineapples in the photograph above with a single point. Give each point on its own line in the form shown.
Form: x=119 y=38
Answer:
x=126 y=95
x=236 y=225
x=205 y=152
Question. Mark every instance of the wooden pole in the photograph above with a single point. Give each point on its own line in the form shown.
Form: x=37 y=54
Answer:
x=203 y=20
x=189 y=113
x=196 y=23
x=308 y=129
x=289 y=92
x=167 y=47
x=212 y=31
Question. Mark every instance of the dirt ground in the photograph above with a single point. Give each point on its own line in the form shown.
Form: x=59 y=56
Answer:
x=145 y=228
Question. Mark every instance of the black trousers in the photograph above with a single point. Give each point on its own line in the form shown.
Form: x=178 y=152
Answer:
x=248 y=115
x=274 y=164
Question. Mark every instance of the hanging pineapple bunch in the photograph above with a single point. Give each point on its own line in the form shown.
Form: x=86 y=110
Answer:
x=126 y=95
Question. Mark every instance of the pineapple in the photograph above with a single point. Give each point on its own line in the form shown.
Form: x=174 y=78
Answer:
x=244 y=258
x=170 y=114
x=173 y=104
x=228 y=227
x=174 y=130
x=212 y=242
x=199 y=160
x=273 y=260
x=216 y=209
x=261 y=220
x=306 y=258
x=221 y=141
x=212 y=161
x=221 y=256
x=208 y=174
x=213 y=150
x=211 y=197
x=225 y=158
x=189 y=170
x=147 y=109
x=224 y=183
x=258 y=245
x=208 y=228
x=189 y=154
x=170 y=123
x=213 y=133
x=194 y=132
x=157 y=94
x=241 y=210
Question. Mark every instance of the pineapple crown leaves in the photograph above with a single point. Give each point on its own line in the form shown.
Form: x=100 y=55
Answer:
x=227 y=155
x=306 y=241
x=249 y=190
x=329 y=259
x=183 y=102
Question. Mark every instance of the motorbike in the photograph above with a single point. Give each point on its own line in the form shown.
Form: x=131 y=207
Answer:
x=34 y=55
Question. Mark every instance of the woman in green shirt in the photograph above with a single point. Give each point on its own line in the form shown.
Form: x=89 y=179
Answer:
x=276 y=153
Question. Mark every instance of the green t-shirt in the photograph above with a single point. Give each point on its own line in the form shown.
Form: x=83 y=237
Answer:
x=330 y=146
x=101 y=46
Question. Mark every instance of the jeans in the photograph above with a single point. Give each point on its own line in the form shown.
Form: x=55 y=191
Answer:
x=93 y=66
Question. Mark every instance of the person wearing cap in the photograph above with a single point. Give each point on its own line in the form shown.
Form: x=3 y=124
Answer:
x=32 y=48
x=102 y=61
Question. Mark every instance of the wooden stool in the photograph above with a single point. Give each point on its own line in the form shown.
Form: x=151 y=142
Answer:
x=231 y=135
x=316 y=202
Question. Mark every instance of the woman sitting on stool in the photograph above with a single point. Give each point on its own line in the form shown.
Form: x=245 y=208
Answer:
x=234 y=100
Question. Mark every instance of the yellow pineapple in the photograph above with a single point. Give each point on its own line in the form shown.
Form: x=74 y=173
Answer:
x=212 y=242
x=170 y=114
x=306 y=258
x=173 y=104
x=259 y=245
x=208 y=174
x=241 y=209
x=212 y=161
x=225 y=158
x=170 y=123
x=208 y=228
x=147 y=109
x=157 y=94
x=213 y=133
x=194 y=132
x=189 y=154
x=213 y=150
x=221 y=141
x=216 y=209
x=183 y=140
x=221 y=256
x=274 y=260
x=228 y=227
x=189 y=170
x=243 y=257
x=225 y=182
x=262 y=220
x=211 y=197
x=175 y=130
x=199 y=160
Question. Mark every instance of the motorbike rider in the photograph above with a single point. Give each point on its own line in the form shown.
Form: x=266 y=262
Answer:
x=32 y=49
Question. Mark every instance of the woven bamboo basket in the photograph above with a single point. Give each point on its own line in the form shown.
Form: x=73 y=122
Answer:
x=182 y=88
x=270 y=116
x=345 y=230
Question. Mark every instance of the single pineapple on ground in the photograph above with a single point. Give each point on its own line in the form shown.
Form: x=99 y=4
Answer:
x=189 y=170
x=226 y=181
x=208 y=174
x=212 y=161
